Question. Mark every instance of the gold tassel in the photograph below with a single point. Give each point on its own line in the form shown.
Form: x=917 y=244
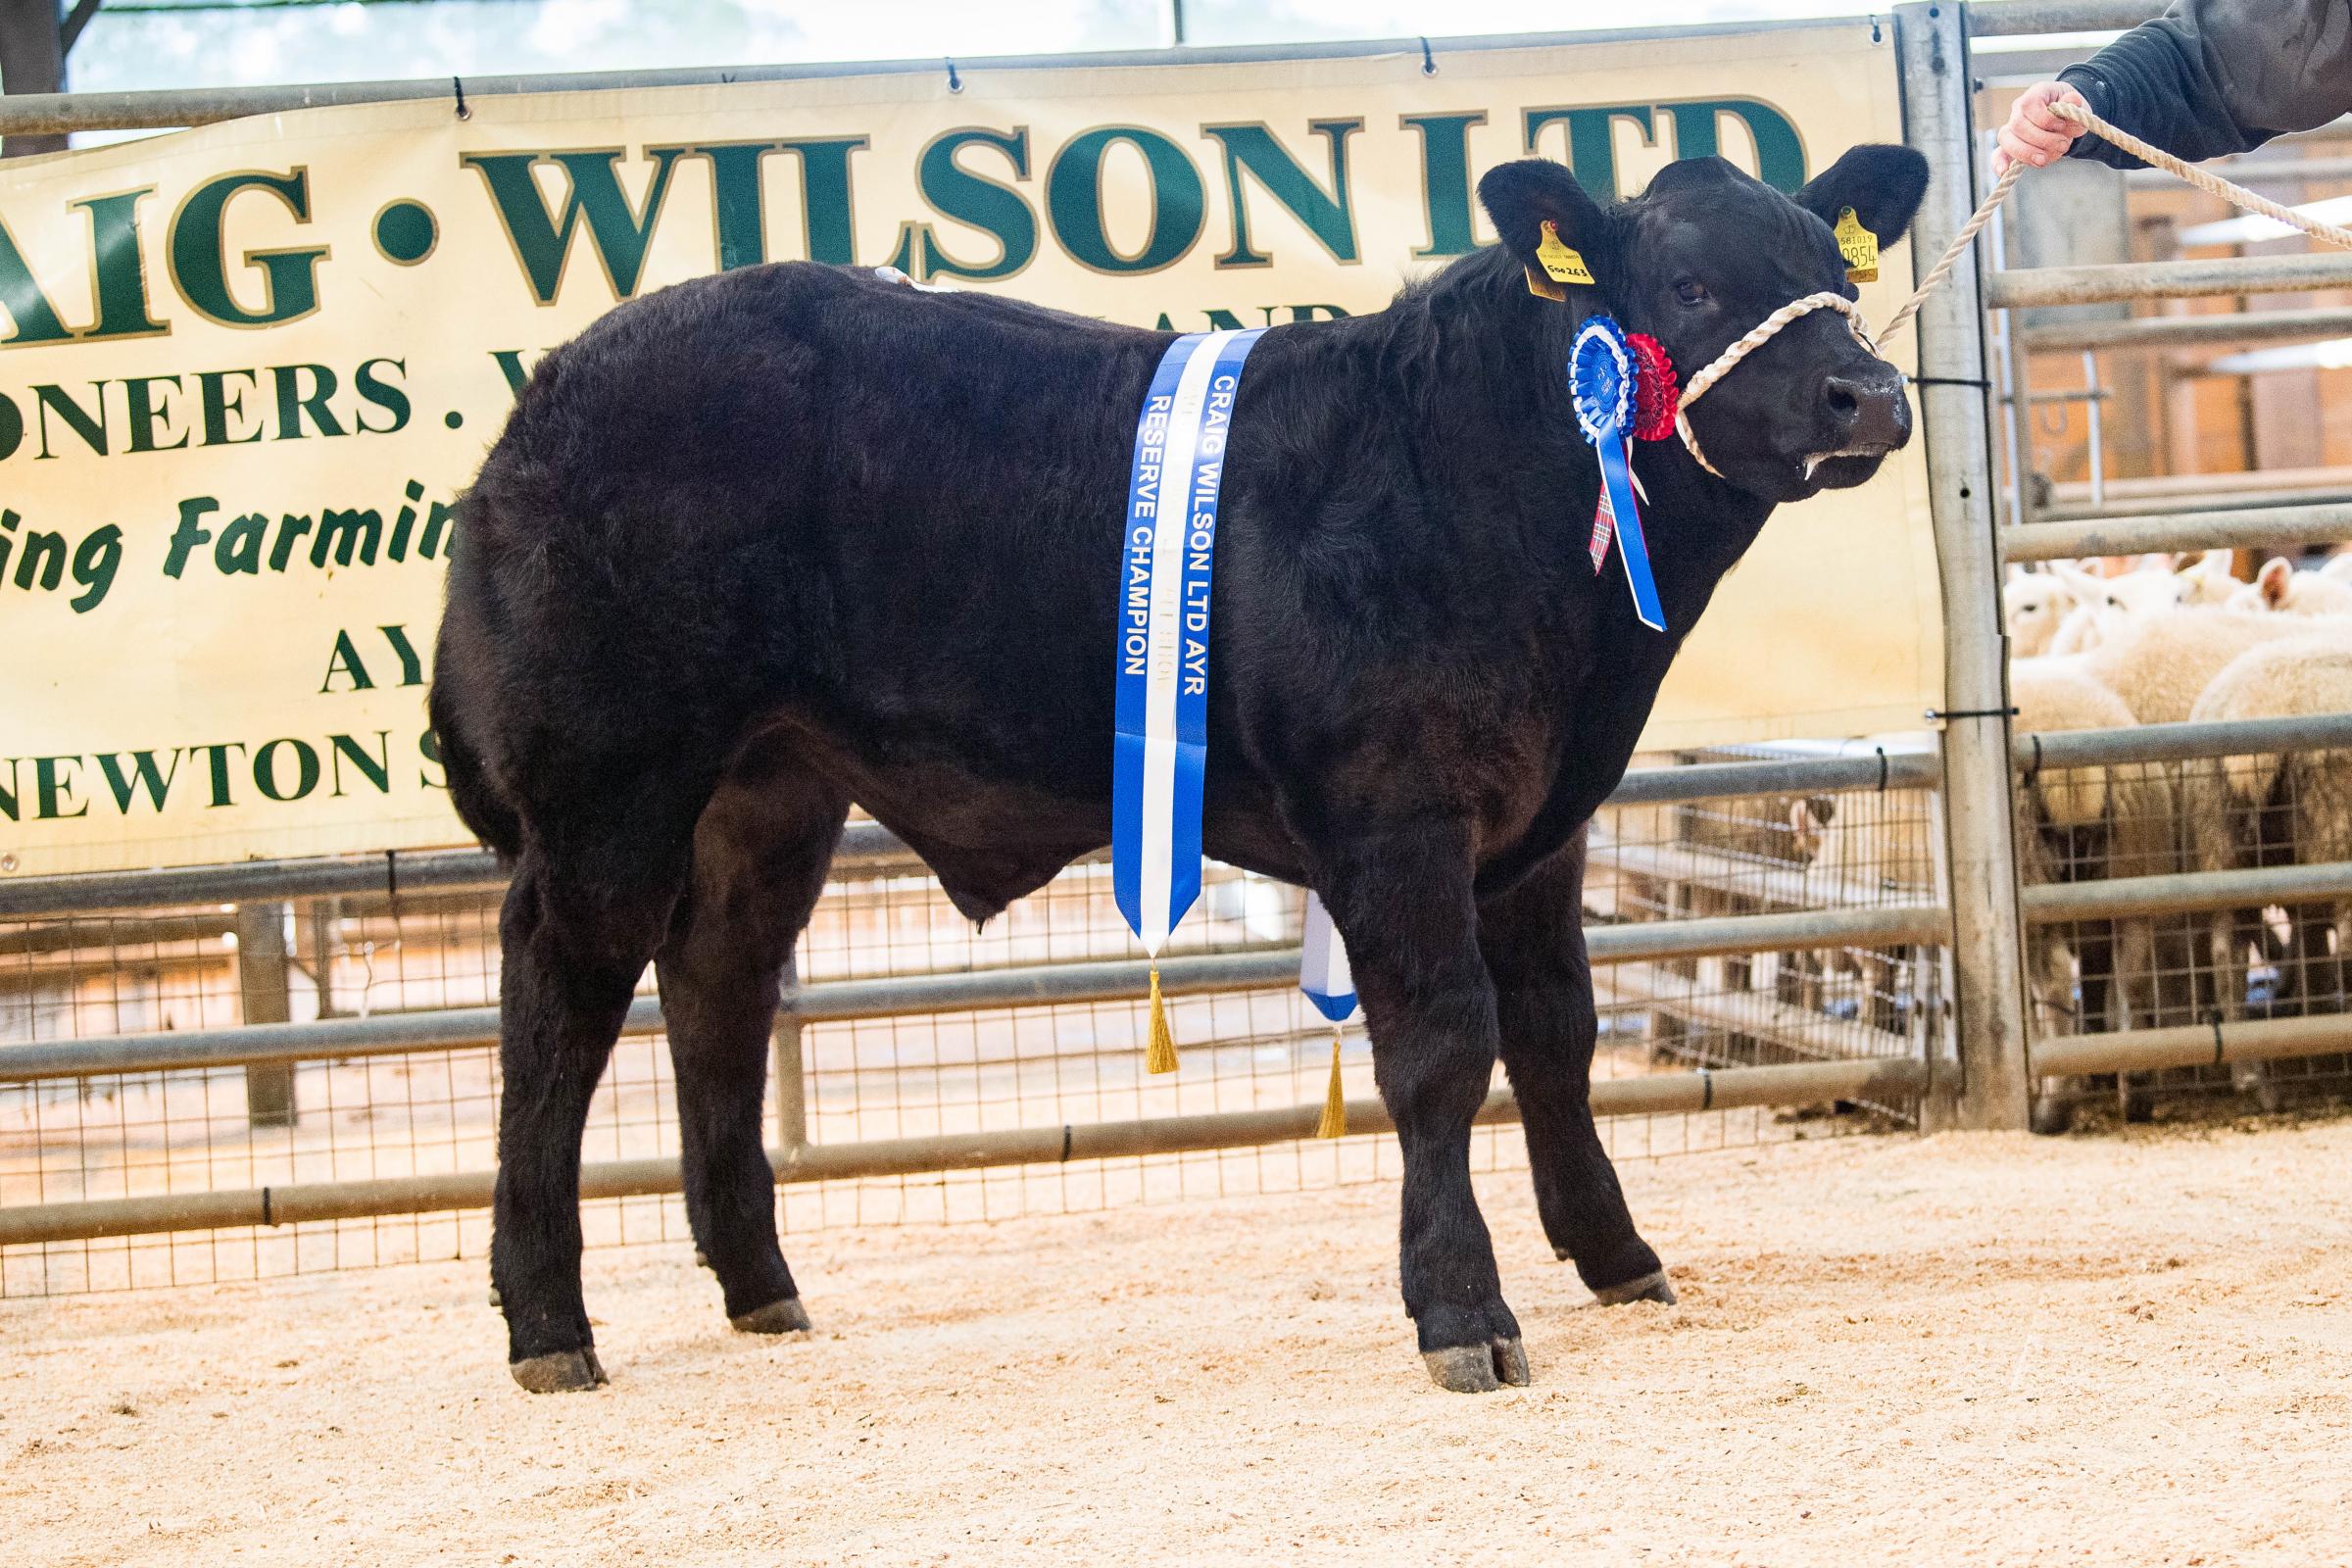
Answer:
x=1162 y=1054
x=1335 y=1098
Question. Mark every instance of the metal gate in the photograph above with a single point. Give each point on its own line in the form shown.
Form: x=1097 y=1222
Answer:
x=255 y=1069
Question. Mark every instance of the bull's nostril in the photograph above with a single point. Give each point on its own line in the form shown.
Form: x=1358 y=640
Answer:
x=1843 y=401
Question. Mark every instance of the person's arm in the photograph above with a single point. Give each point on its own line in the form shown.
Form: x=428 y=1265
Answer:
x=2207 y=77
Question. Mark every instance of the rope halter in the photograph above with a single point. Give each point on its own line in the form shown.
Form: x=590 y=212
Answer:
x=1764 y=332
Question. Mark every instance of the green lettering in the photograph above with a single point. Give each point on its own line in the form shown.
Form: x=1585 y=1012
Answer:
x=377 y=770
x=290 y=527
x=139 y=402
x=1325 y=213
x=293 y=402
x=119 y=265
x=190 y=533
x=1780 y=155
x=620 y=235
x=1074 y=201
x=198 y=252
x=90 y=425
x=143 y=775
x=239 y=548
x=53 y=788
x=373 y=388
x=1446 y=181
x=340 y=532
x=1592 y=145
x=306 y=769
x=412 y=668
x=345 y=660
x=219 y=403
x=954 y=191
x=218 y=760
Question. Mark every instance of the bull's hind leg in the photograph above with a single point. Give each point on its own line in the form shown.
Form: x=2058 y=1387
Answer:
x=760 y=857
x=1534 y=942
x=1403 y=902
x=583 y=915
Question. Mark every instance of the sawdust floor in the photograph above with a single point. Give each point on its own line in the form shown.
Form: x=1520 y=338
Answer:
x=2118 y=1349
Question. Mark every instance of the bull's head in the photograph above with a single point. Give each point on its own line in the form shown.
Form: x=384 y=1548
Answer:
x=1706 y=253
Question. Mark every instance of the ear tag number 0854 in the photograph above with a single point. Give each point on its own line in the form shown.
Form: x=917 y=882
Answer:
x=1859 y=246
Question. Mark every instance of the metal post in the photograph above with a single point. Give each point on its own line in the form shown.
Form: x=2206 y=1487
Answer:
x=791 y=1083
x=262 y=983
x=1932 y=45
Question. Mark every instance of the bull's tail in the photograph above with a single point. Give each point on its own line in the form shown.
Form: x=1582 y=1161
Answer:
x=479 y=805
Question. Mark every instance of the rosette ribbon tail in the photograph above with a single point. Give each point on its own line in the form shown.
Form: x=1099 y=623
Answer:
x=1617 y=477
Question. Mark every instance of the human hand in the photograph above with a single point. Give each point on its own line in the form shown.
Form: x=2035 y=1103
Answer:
x=2034 y=135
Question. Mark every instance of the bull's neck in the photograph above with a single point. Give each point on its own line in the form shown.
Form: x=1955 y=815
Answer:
x=1504 y=418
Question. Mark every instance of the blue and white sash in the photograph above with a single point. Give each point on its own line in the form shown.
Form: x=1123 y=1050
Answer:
x=1323 y=972
x=1160 y=753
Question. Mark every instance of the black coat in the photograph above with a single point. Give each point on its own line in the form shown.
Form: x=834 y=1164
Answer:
x=2216 y=76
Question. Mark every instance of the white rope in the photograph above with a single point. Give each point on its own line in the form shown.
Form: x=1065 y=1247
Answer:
x=2155 y=157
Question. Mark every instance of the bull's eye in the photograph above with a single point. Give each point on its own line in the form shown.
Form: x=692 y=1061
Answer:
x=1690 y=292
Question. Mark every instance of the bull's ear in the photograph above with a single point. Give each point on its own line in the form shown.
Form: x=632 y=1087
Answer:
x=1522 y=197
x=1881 y=183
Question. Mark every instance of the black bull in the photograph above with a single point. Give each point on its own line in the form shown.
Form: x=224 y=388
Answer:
x=771 y=543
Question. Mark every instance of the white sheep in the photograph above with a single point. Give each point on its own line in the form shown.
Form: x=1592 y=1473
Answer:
x=2105 y=605
x=2160 y=665
x=2280 y=589
x=2281 y=808
x=2082 y=824
x=2034 y=606
x=2209 y=578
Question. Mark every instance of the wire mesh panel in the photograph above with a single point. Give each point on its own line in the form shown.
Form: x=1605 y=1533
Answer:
x=1768 y=855
x=2142 y=971
x=431 y=1112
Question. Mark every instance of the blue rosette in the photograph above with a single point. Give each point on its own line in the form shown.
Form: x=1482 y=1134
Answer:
x=1602 y=372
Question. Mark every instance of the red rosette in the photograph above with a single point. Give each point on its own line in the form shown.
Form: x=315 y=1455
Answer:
x=1656 y=392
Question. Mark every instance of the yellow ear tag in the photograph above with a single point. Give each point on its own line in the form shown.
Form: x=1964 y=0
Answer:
x=1543 y=289
x=1859 y=246
x=1560 y=263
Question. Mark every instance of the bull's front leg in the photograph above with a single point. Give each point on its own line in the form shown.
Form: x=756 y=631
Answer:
x=1402 y=900
x=1533 y=938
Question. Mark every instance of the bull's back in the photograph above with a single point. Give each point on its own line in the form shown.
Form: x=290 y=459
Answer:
x=801 y=489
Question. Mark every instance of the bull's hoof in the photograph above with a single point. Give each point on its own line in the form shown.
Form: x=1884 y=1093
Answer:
x=787 y=1316
x=1478 y=1369
x=559 y=1372
x=1650 y=1287
x=2050 y=1116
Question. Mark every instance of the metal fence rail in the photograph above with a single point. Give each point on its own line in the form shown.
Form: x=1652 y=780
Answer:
x=1777 y=931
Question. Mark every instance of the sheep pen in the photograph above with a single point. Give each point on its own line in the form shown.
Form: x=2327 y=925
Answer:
x=1958 y=1350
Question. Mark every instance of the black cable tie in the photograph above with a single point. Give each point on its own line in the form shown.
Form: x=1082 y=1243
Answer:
x=1972 y=712
x=1977 y=381
x=266 y=1219
x=955 y=81
x=1065 y=1142
x=1706 y=1090
x=1428 y=61
x=2033 y=771
x=457 y=86
x=1882 y=771
x=1874 y=35
x=2215 y=1018
x=392 y=873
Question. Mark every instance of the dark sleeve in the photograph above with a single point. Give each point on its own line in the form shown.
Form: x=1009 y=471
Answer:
x=2214 y=77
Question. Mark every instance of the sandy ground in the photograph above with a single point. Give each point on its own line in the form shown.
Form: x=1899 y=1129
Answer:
x=1962 y=1349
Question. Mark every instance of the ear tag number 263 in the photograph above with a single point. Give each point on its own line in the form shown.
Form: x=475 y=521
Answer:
x=1859 y=246
x=1560 y=265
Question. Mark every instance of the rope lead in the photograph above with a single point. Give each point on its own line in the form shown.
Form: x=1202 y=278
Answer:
x=2155 y=157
